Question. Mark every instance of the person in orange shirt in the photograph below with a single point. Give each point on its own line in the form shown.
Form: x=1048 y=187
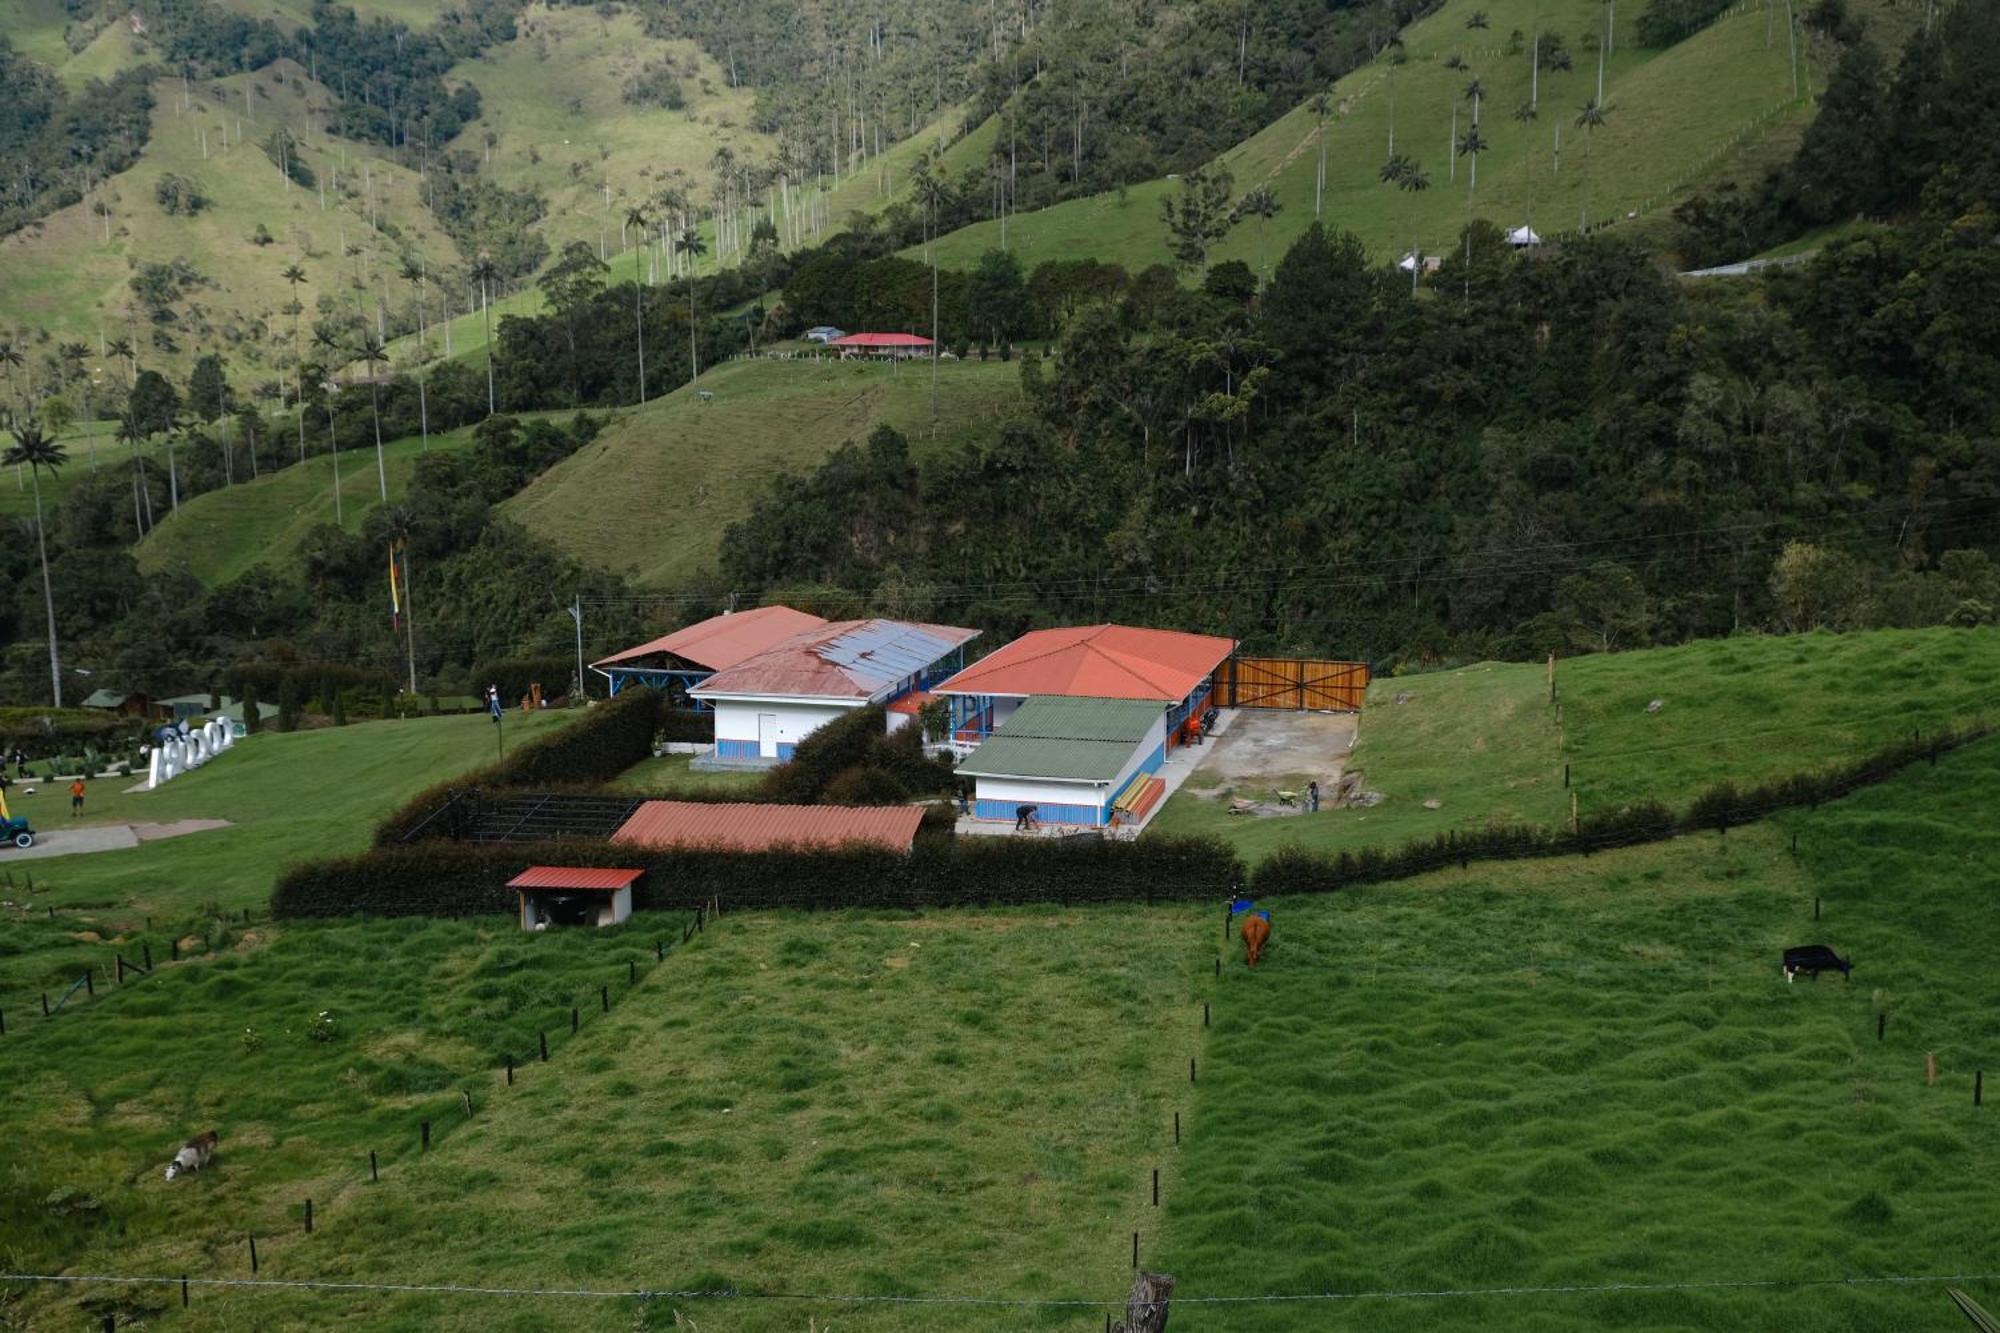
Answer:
x=76 y=798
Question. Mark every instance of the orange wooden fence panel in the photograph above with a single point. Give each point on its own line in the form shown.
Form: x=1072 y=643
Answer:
x=1290 y=682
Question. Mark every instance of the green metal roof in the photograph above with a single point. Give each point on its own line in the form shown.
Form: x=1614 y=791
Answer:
x=1066 y=738
x=105 y=699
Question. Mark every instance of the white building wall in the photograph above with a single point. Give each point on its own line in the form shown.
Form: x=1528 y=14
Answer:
x=736 y=720
x=1154 y=744
x=1060 y=802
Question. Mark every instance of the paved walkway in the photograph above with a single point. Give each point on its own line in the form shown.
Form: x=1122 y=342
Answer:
x=101 y=838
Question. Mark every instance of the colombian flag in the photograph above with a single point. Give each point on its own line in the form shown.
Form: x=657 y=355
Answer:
x=395 y=591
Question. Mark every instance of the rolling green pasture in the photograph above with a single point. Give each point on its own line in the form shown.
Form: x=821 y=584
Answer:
x=65 y=275
x=221 y=534
x=1589 y=1072
x=1702 y=108
x=1483 y=741
x=970 y=1102
x=651 y=495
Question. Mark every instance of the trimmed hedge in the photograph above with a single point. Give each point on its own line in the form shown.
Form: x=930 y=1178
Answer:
x=694 y=725
x=856 y=760
x=436 y=878
x=52 y=730
x=1297 y=870
x=608 y=739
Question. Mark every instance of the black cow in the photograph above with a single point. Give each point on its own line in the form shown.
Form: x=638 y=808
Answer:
x=1814 y=959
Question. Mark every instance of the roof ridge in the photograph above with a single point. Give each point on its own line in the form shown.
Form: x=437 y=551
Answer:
x=1036 y=657
x=1134 y=672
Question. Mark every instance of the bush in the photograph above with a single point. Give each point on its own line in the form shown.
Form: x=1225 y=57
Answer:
x=515 y=674
x=436 y=878
x=841 y=744
x=695 y=725
x=47 y=728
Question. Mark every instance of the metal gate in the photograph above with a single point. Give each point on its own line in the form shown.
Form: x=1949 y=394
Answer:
x=1290 y=682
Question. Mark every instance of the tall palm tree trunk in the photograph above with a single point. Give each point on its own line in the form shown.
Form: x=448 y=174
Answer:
x=375 y=405
x=48 y=593
x=639 y=314
x=486 y=311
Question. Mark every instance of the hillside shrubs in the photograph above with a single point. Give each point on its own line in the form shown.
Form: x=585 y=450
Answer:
x=438 y=878
x=39 y=730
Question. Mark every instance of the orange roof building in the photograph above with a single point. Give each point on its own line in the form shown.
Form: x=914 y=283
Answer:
x=1087 y=661
x=737 y=826
x=690 y=655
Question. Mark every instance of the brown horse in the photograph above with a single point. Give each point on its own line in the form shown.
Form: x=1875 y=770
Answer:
x=1256 y=934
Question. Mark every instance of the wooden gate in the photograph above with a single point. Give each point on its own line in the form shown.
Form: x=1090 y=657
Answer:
x=1290 y=682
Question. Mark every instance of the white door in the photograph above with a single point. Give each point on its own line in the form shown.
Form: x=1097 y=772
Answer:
x=767 y=735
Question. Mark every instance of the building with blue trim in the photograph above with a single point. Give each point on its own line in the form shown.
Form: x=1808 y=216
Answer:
x=677 y=662
x=1068 y=760
x=767 y=703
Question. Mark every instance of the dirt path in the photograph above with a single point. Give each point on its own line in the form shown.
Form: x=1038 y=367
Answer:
x=1274 y=745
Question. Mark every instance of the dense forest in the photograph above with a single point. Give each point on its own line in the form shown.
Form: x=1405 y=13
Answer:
x=53 y=146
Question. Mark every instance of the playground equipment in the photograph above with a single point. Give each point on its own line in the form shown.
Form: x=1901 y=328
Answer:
x=15 y=828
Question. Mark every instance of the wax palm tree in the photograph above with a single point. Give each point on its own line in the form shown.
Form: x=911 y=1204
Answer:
x=296 y=275
x=639 y=216
x=122 y=349
x=486 y=271
x=1588 y=120
x=371 y=351
x=1261 y=204
x=691 y=245
x=319 y=372
x=414 y=273
x=177 y=431
x=12 y=358
x=933 y=192
x=33 y=447
x=1321 y=104
x=1472 y=144
x=1403 y=172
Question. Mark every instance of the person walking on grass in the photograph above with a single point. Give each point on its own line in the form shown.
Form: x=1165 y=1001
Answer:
x=1312 y=797
x=76 y=798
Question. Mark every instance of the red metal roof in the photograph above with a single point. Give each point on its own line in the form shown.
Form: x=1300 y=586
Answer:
x=911 y=702
x=881 y=340
x=572 y=877
x=841 y=659
x=1097 y=661
x=744 y=827
x=721 y=642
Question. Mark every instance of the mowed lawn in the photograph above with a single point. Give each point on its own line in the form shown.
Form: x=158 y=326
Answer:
x=290 y=797
x=650 y=497
x=964 y=1103
x=1484 y=742
x=1590 y=1073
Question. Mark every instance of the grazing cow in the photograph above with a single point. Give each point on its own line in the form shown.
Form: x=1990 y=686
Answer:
x=193 y=1156
x=1256 y=934
x=1814 y=959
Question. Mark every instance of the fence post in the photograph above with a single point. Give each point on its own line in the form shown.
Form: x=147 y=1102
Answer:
x=149 y=956
x=45 y=1004
x=90 y=980
x=510 y=1071
x=1190 y=1069
x=631 y=972
x=424 y=1132
x=659 y=952
x=1978 y=1085
x=1177 y=1127
x=309 y=1216
x=1881 y=1023
x=253 y=1256
x=574 y=1019
x=1156 y=1187
x=545 y=1046
x=184 y=1291
x=175 y=946
x=374 y=1168
x=1135 y=1249
x=604 y=997
x=1204 y=1013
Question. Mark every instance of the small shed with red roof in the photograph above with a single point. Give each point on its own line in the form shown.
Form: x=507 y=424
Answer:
x=574 y=895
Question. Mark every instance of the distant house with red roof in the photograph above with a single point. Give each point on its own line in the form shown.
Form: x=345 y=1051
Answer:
x=679 y=661
x=881 y=344
x=768 y=702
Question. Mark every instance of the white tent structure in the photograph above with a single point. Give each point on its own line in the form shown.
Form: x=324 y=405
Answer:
x=1523 y=236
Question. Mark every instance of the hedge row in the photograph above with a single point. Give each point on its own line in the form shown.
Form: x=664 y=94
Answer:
x=608 y=739
x=41 y=731
x=1297 y=870
x=696 y=725
x=436 y=878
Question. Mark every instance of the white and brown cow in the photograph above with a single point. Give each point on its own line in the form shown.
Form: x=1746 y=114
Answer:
x=194 y=1155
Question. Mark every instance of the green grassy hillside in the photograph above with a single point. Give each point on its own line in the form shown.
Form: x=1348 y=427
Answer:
x=1484 y=743
x=65 y=276
x=553 y=99
x=1676 y=117
x=1590 y=1074
x=220 y=535
x=651 y=496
